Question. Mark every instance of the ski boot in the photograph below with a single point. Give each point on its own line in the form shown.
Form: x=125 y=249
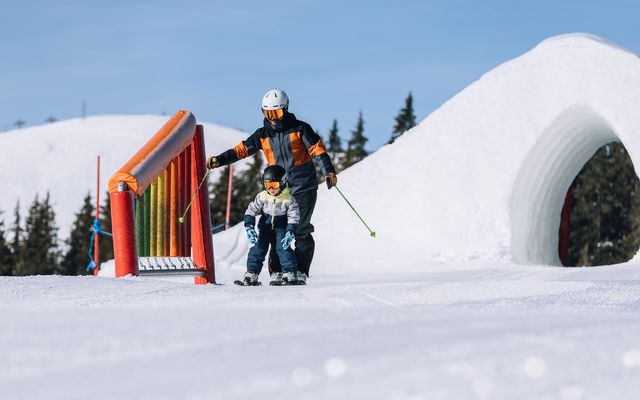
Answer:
x=289 y=278
x=301 y=278
x=276 y=279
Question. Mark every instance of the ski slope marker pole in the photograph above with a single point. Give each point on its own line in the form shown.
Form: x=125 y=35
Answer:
x=371 y=233
x=204 y=178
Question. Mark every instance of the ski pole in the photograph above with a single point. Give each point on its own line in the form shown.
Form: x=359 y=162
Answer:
x=371 y=233
x=204 y=178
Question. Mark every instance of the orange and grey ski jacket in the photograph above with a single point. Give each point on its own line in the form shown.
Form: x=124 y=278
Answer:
x=290 y=144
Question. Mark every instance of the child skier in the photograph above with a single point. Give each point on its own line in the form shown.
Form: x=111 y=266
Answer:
x=280 y=218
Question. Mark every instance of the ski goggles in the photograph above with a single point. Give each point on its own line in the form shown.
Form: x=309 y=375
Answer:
x=272 y=185
x=273 y=115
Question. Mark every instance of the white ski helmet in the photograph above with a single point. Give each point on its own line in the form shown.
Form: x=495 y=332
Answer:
x=275 y=99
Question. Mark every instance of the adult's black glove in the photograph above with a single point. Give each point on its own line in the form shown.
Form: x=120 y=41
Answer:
x=331 y=179
x=212 y=162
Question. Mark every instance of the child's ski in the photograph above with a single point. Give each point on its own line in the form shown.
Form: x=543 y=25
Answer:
x=294 y=283
x=244 y=283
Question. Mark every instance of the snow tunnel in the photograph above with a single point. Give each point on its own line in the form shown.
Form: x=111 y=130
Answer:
x=542 y=181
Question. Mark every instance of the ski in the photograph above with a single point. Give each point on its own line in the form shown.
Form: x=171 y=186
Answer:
x=243 y=283
x=284 y=283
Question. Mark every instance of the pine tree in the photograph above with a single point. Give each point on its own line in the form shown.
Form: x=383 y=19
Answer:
x=355 y=150
x=106 y=242
x=76 y=258
x=6 y=265
x=335 y=150
x=16 y=242
x=218 y=203
x=633 y=238
x=621 y=185
x=27 y=250
x=38 y=251
x=248 y=185
x=405 y=119
x=50 y=251
x=218 y=198
x=604 y=215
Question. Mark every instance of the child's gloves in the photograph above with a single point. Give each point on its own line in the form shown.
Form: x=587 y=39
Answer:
x=251 y=234
x=288 y=239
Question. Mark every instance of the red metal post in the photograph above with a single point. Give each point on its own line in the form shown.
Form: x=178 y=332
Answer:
x=202 y=243
x=124 y=235
x=187 y=198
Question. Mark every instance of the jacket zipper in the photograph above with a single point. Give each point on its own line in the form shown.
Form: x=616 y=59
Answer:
x=273 y=215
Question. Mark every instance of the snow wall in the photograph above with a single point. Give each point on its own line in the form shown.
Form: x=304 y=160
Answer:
x=485 y=175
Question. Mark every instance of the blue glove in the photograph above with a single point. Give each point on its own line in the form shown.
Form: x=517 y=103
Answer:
x=251 y=234
x=288 y=239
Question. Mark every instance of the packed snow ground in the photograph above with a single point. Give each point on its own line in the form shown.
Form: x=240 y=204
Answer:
x=433 y=308
x=443 y=331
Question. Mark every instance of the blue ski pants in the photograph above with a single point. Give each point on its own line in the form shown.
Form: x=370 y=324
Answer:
x=259 y=251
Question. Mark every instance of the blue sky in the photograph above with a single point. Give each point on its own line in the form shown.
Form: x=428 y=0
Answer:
x=217 y=58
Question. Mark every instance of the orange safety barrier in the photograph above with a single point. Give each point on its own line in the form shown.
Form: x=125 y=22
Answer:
x=153 y=157
x=173 y=164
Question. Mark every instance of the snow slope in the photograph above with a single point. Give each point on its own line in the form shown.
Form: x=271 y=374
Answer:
x=485 y=175
x=448 y=302
x=61 y=158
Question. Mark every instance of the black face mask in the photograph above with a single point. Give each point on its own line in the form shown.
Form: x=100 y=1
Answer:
x=277 y=126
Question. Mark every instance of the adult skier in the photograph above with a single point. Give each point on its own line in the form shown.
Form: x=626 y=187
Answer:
x=290 y=143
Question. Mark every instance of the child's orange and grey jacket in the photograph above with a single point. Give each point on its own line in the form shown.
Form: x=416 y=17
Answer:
x=290 y=144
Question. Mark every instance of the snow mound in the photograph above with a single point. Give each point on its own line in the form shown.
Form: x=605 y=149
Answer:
x=61 y=158
x=485 y=175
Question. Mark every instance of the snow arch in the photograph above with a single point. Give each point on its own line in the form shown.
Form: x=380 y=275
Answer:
x=546 y=173
x=485 y=175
